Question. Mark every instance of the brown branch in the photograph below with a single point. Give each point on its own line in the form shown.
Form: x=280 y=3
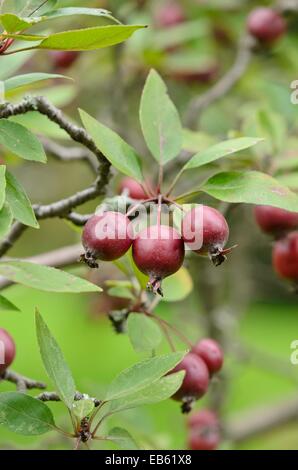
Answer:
x=22 y=383
x=223 y=86
x=53 y=396
x=69 y=154
x=261 y=419
x=78 y=134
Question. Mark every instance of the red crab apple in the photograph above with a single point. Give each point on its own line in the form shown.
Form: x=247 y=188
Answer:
x=275 y=221
x=170 y=14
x=204 y=431
x=206 y=232
x=195 y=382
x=133 y=188
x=266 y=24
x=106 y=236
x=158 y=251
x=7 y=350
x=210 y=351
x=63 y=59
x=285 y=257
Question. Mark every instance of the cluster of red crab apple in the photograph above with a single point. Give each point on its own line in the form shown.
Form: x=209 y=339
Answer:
x=158 y=251
x=282 y=225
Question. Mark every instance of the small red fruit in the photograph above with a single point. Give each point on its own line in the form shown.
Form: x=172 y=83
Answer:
x=195 y=382
x=211 y=353
x=204 y=431
x=170 y=14
x=7 y=350
x=275 y=221
x=266 y=24
x=158 y=251
x=133 y=189
x=107 y=237
x=206 y=232
x=64 y=59
x=285 y=257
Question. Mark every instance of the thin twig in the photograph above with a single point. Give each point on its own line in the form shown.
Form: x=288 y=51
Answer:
x=22 y=383
x=223 y=86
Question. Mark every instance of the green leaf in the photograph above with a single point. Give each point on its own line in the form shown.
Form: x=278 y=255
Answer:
x=19 y=203
x=122 y=438
x=70 y=11
x=54 y=362
x=155 y=392
x=115 y=149
x=88 y=39
x=142 y=375
x=272 y=127
x=143 y=332
x=44 y=278
x=160 y=120
x=21 y=142
x=177 y=287
x=11 y=63
x=28 y=79
x=2 y=185
x=251 y=187
x=223 y=149
x=83 y=408
x=13 y=23
x=121 y=291
x=6 y=304
x=290 y=180
x=25 y=415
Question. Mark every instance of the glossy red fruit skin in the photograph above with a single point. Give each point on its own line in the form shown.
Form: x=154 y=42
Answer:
x=7 y=346
x=285 y=257
x=171 y=14
x=275 y=221
x=158 y=251
x=196 y=380
x=215 y=232
x=107 y=236
x=211 y=353
x=64 y=59
x=133 y=189
x=266 y=24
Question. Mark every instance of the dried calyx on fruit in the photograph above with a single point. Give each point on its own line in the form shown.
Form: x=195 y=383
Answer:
x=285 y=257
x=204 y=430
x=266 y=25
x=210 y=351
x=7 y=350
x=106 y=236
x=206 y=232
x=195 y=382
x=275 y=221
x=158 y=251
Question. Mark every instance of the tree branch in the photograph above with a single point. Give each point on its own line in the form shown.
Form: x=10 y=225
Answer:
x=261 y=419
x=22 y=383
x=223 y=86
x=69 y=154
x=78 y=134
x=53 y=396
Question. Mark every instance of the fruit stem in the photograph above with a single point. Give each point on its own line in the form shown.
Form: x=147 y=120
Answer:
x=171 y=327
x=160 y=178
x=160 y=197
x=135 y=206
